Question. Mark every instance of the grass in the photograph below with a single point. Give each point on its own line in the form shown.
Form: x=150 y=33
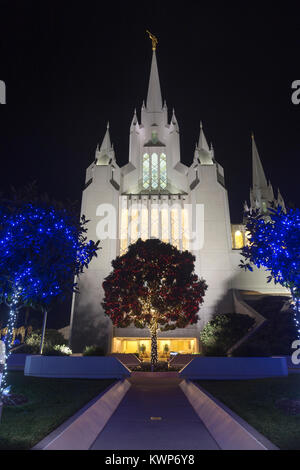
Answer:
x=254 y=401
x=50 y=403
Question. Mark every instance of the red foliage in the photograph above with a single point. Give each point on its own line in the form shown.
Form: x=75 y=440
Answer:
x=153 y=279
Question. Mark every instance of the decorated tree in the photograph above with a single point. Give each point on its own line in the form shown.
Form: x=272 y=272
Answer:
x=42 y=248
x=153 y=286
x=274 y=244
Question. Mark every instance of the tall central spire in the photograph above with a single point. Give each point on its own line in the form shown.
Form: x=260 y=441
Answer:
x=154 y=99
x=258 y=174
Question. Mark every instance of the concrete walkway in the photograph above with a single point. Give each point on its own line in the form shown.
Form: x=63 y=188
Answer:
x=131 y=426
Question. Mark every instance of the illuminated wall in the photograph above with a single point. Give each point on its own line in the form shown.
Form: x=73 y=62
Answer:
x=151 y=216
x=165 y=345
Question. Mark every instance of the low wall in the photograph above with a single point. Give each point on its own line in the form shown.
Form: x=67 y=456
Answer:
x=228 y=429
x=16 y=361
x=234 y=368
x=80 y=431
x=89 y=367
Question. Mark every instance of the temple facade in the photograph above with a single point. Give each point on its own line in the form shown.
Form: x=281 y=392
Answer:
x=156 y=195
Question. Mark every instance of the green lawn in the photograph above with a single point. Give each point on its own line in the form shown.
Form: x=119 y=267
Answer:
x=50 y=403
x=254 y=401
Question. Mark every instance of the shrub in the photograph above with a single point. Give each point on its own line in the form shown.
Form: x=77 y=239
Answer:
x=93 y=350
x=58 y=350
x=53 y=339
x=224 y=331
x=161 y=366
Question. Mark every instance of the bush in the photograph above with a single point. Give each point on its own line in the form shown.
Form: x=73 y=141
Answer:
x=58 y=350
x=162 y=366
x=93 y=350
x=224 y=331
x=54 y=344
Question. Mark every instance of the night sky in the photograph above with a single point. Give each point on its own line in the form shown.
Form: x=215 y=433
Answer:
x=69 y=67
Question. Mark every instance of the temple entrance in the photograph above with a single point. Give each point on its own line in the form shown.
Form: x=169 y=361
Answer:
x=166 y=346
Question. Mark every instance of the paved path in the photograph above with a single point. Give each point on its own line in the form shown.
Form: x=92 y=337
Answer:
x=131 y=427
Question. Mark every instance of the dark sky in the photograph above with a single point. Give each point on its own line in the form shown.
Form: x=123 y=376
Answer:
x=71 y=66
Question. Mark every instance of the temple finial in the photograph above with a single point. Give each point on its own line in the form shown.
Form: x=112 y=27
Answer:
x=153 y=39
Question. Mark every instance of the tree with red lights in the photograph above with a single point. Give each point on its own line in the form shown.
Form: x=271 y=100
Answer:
x=153 y=286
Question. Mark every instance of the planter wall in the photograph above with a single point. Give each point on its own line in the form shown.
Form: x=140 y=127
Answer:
x=16 y=361
x=75 y=367
x=234 y=368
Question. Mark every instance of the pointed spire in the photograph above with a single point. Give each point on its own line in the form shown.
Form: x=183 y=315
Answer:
x=106 y=145
x=174 y=121
x=259 y=180
x=105 y=153
x=280 y=200
x=202 y=145
x=134 y=119
x=154 y=99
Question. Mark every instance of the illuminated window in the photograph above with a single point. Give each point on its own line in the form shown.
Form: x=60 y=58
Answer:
x=165 y=224
x=184 y=225
x=146 y=171
x=163 y=171
x=175 y=227
x=124 y=231
x=154 y=171
x=134 y=224
x=154 y=221
x=144 y=222
x=238 y=239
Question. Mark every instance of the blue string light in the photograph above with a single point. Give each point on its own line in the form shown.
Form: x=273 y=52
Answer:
x=274 y=243
x=41 y=250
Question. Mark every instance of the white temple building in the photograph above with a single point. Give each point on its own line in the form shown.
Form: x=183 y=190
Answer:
x=156 y=195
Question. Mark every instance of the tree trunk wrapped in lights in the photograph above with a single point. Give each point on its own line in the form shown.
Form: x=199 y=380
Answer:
x=153 y=330
x=153 y=286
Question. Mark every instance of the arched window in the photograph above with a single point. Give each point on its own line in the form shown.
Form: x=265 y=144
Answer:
x=146 y=171
x=163 y=171
x=154 y=171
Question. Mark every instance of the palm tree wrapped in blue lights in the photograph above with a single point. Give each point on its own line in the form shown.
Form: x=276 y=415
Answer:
x=274 y=243
x=42 y=248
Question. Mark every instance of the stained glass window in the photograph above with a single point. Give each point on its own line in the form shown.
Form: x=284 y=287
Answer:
x=154 y=170
x=146 y=171
x=163 y=171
